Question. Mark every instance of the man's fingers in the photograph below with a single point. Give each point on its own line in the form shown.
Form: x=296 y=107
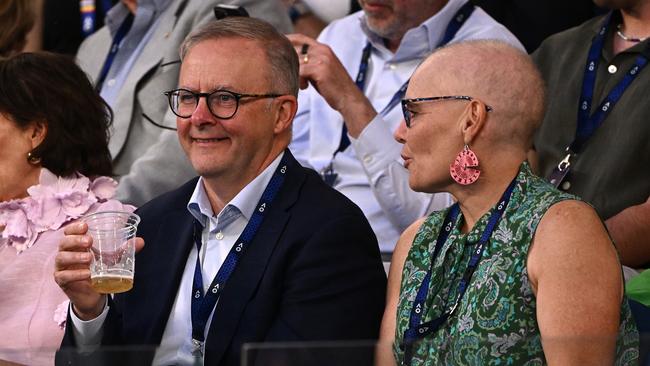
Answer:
x=75 y=243
x=139 y=244
x=77 y=228
x=65 y=260
x=64 y=278
x=297 y=40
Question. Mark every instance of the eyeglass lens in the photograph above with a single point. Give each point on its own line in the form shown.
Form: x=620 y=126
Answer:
x=223 y=104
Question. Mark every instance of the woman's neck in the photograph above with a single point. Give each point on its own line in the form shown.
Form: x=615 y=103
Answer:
x=17 y=188
x=477 y=199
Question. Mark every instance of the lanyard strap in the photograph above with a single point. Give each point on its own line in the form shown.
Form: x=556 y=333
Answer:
x=115 y=46
x=452 y=28
x=417 y=329
x=588 y=124
x=202 y=304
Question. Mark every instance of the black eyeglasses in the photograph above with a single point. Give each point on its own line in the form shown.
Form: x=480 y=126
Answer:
x=222 y=104
x=408 y=114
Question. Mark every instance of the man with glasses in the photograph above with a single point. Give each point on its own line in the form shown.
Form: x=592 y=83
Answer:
x=258 y=248
x=131 y=61
x=359 y=69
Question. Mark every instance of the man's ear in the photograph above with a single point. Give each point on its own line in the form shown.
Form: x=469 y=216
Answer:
x=473 y=120
x=38 y=132
x=288 y=105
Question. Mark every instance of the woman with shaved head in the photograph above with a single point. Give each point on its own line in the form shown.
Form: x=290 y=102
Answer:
x=515 y=272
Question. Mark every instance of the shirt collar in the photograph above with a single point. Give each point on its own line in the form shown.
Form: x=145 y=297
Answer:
x=421 y=40
x=245 y=201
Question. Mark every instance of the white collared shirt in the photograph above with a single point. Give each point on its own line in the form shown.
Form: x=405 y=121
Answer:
x=176 y=346
x=370 y=171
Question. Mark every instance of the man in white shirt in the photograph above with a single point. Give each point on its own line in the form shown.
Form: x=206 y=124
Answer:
x=362 y=94
x=278 y=254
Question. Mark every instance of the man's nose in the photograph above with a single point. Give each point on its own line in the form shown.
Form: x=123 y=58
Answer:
x=201 y=113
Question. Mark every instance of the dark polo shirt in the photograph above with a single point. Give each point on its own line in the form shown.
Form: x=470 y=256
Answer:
x=613 y=170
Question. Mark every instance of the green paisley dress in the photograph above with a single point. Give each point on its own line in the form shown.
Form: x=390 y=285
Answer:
x=495 y=322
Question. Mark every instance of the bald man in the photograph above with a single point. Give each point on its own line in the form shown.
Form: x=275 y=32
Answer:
x=504 y=276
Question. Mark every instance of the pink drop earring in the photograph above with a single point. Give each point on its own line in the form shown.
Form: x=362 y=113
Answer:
x=464 y=170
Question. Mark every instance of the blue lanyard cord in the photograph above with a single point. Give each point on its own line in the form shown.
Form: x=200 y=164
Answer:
x=417 y=329
x=115 y=46
x=452 y=28
x=587 y=124
x=202 y=304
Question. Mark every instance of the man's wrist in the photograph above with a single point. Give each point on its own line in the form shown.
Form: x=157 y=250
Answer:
x=357 y=115
x=92 y=313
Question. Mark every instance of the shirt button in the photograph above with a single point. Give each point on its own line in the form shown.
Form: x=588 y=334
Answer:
x=367 y=159
x=111 y=82
x=566 y=186
x=219 y=235
x=612 y=69
x=392 y=66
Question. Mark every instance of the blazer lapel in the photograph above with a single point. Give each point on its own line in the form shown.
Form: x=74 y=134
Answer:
x=174 y=242
x=244 y=280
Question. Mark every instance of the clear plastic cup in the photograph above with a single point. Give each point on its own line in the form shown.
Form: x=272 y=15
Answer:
x=113 y=233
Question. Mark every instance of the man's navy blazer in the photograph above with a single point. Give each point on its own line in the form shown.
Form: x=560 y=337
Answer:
x=312 y=272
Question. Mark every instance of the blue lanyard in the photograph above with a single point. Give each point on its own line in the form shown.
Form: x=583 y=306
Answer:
x=327 y=174
x=88 y=15
x=588 y=124
x=115 y=46
x=417 y=329
x=452 y=28
x=202 y=304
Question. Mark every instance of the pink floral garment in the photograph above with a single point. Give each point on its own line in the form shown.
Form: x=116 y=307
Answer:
x=32 y=307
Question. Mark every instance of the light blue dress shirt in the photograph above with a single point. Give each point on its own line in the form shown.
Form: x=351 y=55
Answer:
x=176 y=344
x=144 y=25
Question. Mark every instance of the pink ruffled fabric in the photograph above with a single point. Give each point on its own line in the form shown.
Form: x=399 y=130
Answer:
x=30 y=230
x=52 y=203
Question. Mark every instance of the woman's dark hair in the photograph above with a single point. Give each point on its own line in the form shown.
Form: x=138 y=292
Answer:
x=52 y=89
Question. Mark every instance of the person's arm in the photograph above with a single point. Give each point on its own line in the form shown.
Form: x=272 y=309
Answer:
x=72 y=272
x=324 y=71
x=88 y=333
x=577 y=280
x=631 y=234
x=379 y=153
x=369 y=133
x=88 y=308
x=384 y=352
